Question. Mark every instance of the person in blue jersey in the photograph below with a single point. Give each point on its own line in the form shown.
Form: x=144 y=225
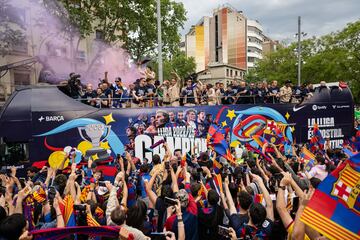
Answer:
x=189 y=94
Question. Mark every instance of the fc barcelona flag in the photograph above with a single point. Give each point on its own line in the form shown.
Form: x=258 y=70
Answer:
x=216 y=138
x=334 y=209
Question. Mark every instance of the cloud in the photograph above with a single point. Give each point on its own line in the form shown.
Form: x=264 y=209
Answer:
x=279 y=17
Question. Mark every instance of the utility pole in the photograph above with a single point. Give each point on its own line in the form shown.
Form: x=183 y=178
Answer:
x=160 y=60
x=299 y=51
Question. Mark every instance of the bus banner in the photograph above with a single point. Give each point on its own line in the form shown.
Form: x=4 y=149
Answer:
x=108 y=132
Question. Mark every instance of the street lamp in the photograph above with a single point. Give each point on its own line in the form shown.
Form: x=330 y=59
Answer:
x=298 y=35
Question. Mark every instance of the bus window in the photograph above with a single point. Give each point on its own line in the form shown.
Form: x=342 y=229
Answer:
x=13 y=153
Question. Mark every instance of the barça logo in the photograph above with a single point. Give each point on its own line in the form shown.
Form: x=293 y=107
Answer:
x=347 y=188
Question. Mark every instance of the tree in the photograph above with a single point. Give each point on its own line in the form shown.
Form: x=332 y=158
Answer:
x=12 y=29
x=130 y=22
x=179 y=63
x=331 y=58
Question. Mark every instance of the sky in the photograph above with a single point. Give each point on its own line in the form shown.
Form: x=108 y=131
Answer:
x=279 y=17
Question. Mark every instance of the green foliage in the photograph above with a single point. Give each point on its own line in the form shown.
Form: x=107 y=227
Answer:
x=132 y=23
x=74 y=17
x=179 y=63
x=331 y=58
x=11 y=30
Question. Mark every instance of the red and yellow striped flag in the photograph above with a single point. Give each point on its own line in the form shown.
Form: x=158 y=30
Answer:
x=91 y=222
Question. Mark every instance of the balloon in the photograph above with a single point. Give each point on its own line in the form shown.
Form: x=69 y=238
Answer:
x=78 y=156
x=67 y=149
x=57 y=158
x=84 y=146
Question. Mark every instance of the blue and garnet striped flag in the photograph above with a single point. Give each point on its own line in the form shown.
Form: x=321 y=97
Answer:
x=217 y=166
x=216 y=138
x=334 y=209
x=308 y=158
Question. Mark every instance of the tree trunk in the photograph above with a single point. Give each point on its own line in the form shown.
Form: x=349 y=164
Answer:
x=76 y=51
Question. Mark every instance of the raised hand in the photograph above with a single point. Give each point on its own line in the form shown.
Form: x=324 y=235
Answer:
x=256 y=178
x=286 y=180
x=307 y=196
x=13 y=171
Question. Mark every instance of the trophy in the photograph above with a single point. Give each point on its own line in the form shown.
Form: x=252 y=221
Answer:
x=94 y=133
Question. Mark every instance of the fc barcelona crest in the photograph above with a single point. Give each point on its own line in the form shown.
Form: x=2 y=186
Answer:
x=347 y=188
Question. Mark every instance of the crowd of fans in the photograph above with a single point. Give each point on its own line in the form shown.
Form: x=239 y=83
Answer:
x=146 y=92
x=172 y=198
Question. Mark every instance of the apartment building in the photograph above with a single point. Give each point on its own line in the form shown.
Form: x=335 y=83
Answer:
x=255 y=40
x=219 y=44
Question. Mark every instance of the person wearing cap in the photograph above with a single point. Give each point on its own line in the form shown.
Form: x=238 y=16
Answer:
x=286 y=92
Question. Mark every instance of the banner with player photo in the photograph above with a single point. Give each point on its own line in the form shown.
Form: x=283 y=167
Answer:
x=104 y=134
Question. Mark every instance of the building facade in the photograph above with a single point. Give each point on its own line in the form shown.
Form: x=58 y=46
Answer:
x=255 y=40
x=219 y=40
x=269 y=45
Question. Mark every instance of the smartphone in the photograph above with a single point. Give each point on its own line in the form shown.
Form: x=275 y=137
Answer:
x=170 y=201
x=22 y=179
x=224 y=231
x=158 y=236
x=51 y=194
x=167 y=165
x=102 y=183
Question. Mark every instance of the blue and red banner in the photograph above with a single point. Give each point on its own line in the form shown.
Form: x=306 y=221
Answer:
x=334 y=209
x=103 y=134
x=63 y=233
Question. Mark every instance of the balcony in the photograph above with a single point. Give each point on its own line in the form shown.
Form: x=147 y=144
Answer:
x=254 y=55
x=254 y=24
x=255 y=45
x=250 y=65
x=255 y=35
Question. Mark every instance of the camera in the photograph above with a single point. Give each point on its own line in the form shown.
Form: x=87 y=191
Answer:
x=80 y=207
x=170 y=201
x=224 y=231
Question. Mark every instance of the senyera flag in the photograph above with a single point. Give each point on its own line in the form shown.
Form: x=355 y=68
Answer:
x=334 y=209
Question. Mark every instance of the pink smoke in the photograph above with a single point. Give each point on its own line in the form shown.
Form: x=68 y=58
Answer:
x=44 y=33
